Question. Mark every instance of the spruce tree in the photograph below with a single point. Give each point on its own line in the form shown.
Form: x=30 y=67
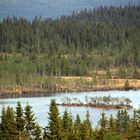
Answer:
x=112 y=124
x=136 y=121
x=20 y=121
x=89 y=126
x=86 y=131
x=122 y=121
x=126 y=120
x=67 y=126
x=3 y=130
x=103 y=124
x=118 y=121
x=45 y=133
x=37 y=132
x=130 y=132
x=8 y=126
x=11 y=124
x=77 y=125
x=29 y=121
x=54 y=131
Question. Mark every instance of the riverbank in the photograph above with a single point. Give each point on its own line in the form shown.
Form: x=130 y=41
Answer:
x=68 y=84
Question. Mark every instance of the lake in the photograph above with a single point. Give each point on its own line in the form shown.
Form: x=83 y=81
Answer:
x=53 y=8
x=41 y=104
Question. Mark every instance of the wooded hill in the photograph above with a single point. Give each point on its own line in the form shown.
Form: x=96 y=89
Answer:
x=77 y=45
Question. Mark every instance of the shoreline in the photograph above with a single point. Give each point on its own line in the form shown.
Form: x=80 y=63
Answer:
x=44 y=93
x=68 y=84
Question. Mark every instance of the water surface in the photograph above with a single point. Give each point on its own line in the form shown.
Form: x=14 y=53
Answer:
x=41 y=104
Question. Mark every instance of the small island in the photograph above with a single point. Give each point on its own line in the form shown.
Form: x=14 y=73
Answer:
x=105 y=102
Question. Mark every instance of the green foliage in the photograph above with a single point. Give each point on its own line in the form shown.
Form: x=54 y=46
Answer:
x=77 y=126
x=103 y=125
x=3 y=122
x=126 y=85
x=20 y=121
x=136 y=74
x=112 y=137
x=37 y=132
x=72 y=45
x=30 y=124
x=135 y=125
x=66 y=128
x=86 y=130
x=122 y=121
x=54 y=126
x=112 y=124
x=8 y=125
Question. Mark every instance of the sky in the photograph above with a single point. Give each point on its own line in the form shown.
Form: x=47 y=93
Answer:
x=52 y=8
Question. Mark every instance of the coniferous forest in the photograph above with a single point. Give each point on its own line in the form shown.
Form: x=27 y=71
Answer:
x=95 y=46
x=20 y=124
x=76 y=45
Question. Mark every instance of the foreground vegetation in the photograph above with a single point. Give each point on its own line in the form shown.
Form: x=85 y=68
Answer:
x=21 y=125
x=33 y=52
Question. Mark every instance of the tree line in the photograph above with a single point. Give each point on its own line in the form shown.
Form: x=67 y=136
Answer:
x=98 y=101
x=21 y=124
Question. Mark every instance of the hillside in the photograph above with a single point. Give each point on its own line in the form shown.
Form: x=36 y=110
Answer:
x=103 y=43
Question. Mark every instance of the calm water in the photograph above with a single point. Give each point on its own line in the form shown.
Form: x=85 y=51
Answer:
x=53 y=8
x=41 y=104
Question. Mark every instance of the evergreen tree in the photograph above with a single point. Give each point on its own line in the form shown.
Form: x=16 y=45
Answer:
x=118 y=121
x=136 y=124
x=20 y=121
x=112 y=126
x=67 y=126
x=45 y=133
x=11 y=124
x=3 y=129
x=103 y=125
x=54 y=131
x=77 y=126
x=119 y=128
x=8 y=126
x=86 y=131
x=37 y=132
x=90 y=129
x=29 y=121
x=122 y=121
x=126 y=120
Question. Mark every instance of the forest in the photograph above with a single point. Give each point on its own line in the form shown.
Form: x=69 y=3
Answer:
x=21 y=124
x=105 y=38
